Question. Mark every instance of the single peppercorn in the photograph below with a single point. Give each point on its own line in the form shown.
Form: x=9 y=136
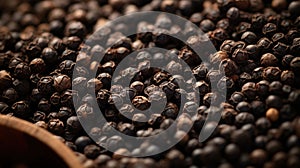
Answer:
x=271 y=73
x=56 y=126
x=61 y=82
x=268 y=59
x=45 y=85
x=21 y=109
x=274 y=101
x=295 y=65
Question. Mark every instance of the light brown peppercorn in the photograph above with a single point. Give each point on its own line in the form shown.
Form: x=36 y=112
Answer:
x=272 y=114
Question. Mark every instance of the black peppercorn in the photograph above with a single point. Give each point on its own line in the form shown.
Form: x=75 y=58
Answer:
x=44 y=105
x=244 y=118
x=293 y=8
x=271 y=73
x=294 y=97
x=278 y=37
x=4 y=108
x=82 y=141
x=274 y=101
x=249 y=37
x=275 y=87
x=10 y=95
x=92 y=151
x=229 y=67
x=269 y=29
x=206 y=25
x=37 y=65
x=295 y=65
x=49 y=55
x=240 y=56
x=280 y=49
x=264 y=44
x=75 y=28
x=5 y=79
x=21 y=109
x=249 y=90
x=243 y=106
x=45 y=84
x=56 y=126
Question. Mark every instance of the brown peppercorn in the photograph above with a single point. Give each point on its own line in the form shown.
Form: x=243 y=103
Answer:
x=61 y=82
x=272 y=114
x=268 y=59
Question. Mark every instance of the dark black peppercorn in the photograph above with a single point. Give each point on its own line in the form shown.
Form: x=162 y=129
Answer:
x=45 y=85
x=4 y=108
x=44 y=105
x=274 y=101
x=21 y=109
x=10 y=95
x=258 y=108
x=275 y=87
x=56 y=126
x=240 y=56
x=278 y=37
x=269 y=29
x=82 y=141
x=264 y=44
x=92 y=151
x=22 y=71
x=207 y=25
x=243 y=107
x=49 y=55
x=249 y=37
x=295 y=65
x=244 y=118
x=280 y=49
x=233 y=13
x=75 y=28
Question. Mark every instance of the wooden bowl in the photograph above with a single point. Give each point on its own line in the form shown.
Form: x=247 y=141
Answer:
x=22 y=142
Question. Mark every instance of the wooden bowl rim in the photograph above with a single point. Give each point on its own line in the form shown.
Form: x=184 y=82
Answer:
x=43 y=136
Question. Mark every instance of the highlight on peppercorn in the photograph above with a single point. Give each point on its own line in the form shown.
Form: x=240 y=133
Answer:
x=149 y=95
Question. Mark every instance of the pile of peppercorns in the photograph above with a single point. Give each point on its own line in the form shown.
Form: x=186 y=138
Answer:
x=258 y=45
